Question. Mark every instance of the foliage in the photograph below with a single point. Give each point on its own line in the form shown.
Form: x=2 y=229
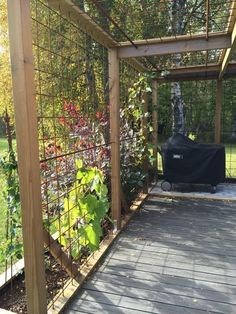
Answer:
x=12 y=247
x=84 y=136
x=85 y=207
x=5 y=72
x=135 y=151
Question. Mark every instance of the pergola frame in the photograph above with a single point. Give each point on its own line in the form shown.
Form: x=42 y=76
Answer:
x=26 y=116
x=172 y=45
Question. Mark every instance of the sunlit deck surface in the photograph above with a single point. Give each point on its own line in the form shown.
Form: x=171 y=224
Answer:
x=175 y=256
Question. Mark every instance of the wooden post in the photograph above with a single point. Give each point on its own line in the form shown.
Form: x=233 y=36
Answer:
x=114 y=95
x=218 y=111
x=145 y=135
x=22 y=66
x=155 y=126
x=61 y=257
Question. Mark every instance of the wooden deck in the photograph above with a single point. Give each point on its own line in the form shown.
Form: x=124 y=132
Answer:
x=176 y=256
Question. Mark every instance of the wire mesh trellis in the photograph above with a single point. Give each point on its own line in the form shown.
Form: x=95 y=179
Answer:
x=199 y=99
x=73 y=122
x=73 y=109
x=152 y=19
x=229 y=126
x=134 y=145
x=11 y=242
x=72 y=96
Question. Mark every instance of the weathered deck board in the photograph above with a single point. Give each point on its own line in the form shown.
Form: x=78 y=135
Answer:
x=174 y=257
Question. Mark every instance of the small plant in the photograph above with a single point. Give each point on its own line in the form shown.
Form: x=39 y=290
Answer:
x=85 y=208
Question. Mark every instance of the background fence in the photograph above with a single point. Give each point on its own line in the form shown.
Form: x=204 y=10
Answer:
x=199 y=98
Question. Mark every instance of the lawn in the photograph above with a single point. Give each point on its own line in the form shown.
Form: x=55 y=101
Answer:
x=3 y=149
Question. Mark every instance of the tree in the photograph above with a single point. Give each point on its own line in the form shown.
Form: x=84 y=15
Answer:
x=6 y=101
x=177 y=103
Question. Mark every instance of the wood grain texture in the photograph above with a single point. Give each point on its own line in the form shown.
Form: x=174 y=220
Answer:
x=171 y=45
x=155 y=124
x=174 y=257
x=61 y=257
x=22 y=66
x=114 y=96
x=145 y=135
x=62 y=299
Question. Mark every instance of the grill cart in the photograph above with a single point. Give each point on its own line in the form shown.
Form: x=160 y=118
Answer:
x=186 y=161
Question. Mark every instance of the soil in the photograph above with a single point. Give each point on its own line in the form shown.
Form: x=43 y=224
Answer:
x=13 y=297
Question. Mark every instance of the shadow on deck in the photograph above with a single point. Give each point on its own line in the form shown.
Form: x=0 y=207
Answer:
x=176 y=256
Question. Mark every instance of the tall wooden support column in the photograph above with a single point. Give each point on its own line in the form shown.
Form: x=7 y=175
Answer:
x=154 y=125
x=145 y=135
x=114 y=95
x=27 y=148
x=218 y=111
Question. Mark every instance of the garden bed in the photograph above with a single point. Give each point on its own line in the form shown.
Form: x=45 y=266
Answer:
x=13 y=296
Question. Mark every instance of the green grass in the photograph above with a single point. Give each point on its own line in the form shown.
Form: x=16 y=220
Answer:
x=4 y=145
x=3 y=205
x=230 y=152
x=3 y=148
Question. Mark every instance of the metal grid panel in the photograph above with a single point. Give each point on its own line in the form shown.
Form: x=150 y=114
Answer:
x=199 y=100
x=152 y=19
x=133 y=145
x=73 y=123
x=229 y=126
x=186 y=59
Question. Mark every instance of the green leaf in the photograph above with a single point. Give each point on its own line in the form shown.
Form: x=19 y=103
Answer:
x=101 y=190
x=79 y=163
x=101 y=209
x=88 y=177
x=79 y=175
x=75 y=249
x=93 y=233
x=83 y=206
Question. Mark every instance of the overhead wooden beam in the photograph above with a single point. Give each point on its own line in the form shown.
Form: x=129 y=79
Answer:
x=230 y=25
x=73 y=13
x=172 y=45
x=171 y=39
x=22 y=65
x=200 y=72
x=231 y=19
x=137 y=65
x=70 y=10
x=228 y=52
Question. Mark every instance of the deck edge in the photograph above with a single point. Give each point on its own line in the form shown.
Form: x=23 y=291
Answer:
x=60 y=301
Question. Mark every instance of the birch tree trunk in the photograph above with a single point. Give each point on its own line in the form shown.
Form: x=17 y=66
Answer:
x=177 y=103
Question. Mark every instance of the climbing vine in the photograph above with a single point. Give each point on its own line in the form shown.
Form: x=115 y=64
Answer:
x=85 y=207
x=12 y=248
x=134 y=153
